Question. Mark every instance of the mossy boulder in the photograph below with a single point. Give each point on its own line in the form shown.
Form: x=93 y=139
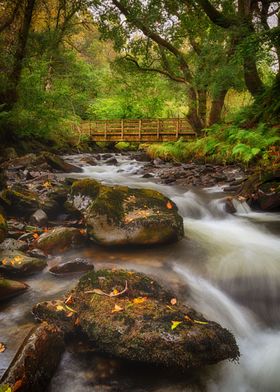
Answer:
x=129 y=315
x=60 y=239
x=3 y=228
x=20 y=200
x=11 y=288
x=124 y=216
x=14 y=262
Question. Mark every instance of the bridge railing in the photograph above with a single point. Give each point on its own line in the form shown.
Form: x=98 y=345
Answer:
x=138 y=130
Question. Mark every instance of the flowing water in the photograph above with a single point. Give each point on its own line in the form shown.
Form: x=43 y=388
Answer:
x=227 y=267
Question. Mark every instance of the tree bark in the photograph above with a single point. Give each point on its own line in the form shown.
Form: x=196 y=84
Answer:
x=193 y=117
x=202 y=108
x=10 y=96
x=217 y=105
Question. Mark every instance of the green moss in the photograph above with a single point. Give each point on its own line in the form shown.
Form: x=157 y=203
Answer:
x=126 y=146
x=86 y=187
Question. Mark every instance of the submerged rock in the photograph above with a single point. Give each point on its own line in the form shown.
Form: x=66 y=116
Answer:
x=36 y=360
x=123 y=216
x=129 y=315
x=17 y=263
x=11 y=288
x=77 y=265
x=60 y=239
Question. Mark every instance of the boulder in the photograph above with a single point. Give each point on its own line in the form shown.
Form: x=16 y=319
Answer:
x=77 y=265
x=39 y=218
x=36 y=360
x=14 y=262
x=59 y=164
x=123 y=216
x=13 y=244
x=3 y=228
x=129 y=315
x=11 y=288
x=60 y=239
x=20 y=200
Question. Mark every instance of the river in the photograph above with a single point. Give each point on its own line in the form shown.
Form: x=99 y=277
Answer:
x=227 y=267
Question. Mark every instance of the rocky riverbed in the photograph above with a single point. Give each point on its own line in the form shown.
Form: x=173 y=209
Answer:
x=47 y=213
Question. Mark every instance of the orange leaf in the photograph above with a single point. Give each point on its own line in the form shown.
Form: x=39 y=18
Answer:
x=2 y=347
x=117 y=308
x=173 y=301
x=35 y=235
x=17 y=385
x=169 y=205
x=139 y=300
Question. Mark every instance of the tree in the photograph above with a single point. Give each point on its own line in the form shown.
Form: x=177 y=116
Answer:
x=175 y=41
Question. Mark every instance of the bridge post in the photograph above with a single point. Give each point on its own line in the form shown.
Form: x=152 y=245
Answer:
x=122 y=127
x=177 y=128
x=140 y=128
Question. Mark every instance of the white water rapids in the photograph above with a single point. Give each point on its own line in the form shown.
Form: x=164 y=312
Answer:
x=239 y=254
x=227 y=267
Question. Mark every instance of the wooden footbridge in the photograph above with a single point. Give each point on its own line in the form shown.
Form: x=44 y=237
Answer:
x=139 y=130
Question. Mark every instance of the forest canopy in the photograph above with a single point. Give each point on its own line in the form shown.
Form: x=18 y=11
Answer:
x=65 y=61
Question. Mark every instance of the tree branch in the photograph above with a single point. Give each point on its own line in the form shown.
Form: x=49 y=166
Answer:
x=217 y=17
x=156 y=70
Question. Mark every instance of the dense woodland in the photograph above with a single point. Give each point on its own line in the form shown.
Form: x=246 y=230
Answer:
x=214 y=62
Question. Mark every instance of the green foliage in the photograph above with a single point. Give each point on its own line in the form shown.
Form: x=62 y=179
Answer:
x=225 y=144
x=125 y=146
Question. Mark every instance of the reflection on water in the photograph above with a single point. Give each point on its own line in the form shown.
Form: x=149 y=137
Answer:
x=227 y=267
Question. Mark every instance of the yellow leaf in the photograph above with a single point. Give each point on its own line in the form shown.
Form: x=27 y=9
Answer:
x=169 y=205
x=173 y=301
x=115 y=291
x=200 y=322
x=2 y=347
x=4 y=261
x=71 y=310
x=175 y=324
x=117 y=308
x=187 y=318
x=59 y=308
x=139 y=300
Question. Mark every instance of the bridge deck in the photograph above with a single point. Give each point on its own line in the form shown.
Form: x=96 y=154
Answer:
x=138 y=130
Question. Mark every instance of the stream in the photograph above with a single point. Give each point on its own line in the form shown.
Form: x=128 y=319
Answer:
x=227 y=267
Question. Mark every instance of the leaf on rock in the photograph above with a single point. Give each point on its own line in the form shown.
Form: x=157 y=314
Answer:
x=117 y=308
x=173 y=301
x=59 y=308
x=175 y=324
x=139 y=300
x=71 y=310
x=169 y=205
x=2 y=347
x=200 y=322
x=35 y=235
x=187 y=318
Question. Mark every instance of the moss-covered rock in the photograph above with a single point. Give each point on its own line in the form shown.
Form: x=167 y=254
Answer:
x=129 y=315
x=60 y=239
x=11 y=288
x=14 y=262
x=20 y=200
x=123 y=216
x=3 y=228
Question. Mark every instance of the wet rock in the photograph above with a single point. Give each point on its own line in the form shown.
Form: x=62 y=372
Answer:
x=37 y=253
x=3 y=228
x=90 y=161
x=268 y=197
x=20 y=200
x=60 y=239
x=13 y=244
x=129 y=315
x=122 y=216
x=147 y=175
x=233 y=188
x=36 y=360
x=11 y=288
x=77 y=265
x=59 y=164
x=111 y=161
x=107 y=156
x=39 y=218
x=229 y=205
x=13 y=262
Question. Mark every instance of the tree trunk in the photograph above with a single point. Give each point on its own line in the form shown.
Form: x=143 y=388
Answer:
x=10 y=96
x=193 y=117
x=217 y=105
x=251 y=75
x=202 y=109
